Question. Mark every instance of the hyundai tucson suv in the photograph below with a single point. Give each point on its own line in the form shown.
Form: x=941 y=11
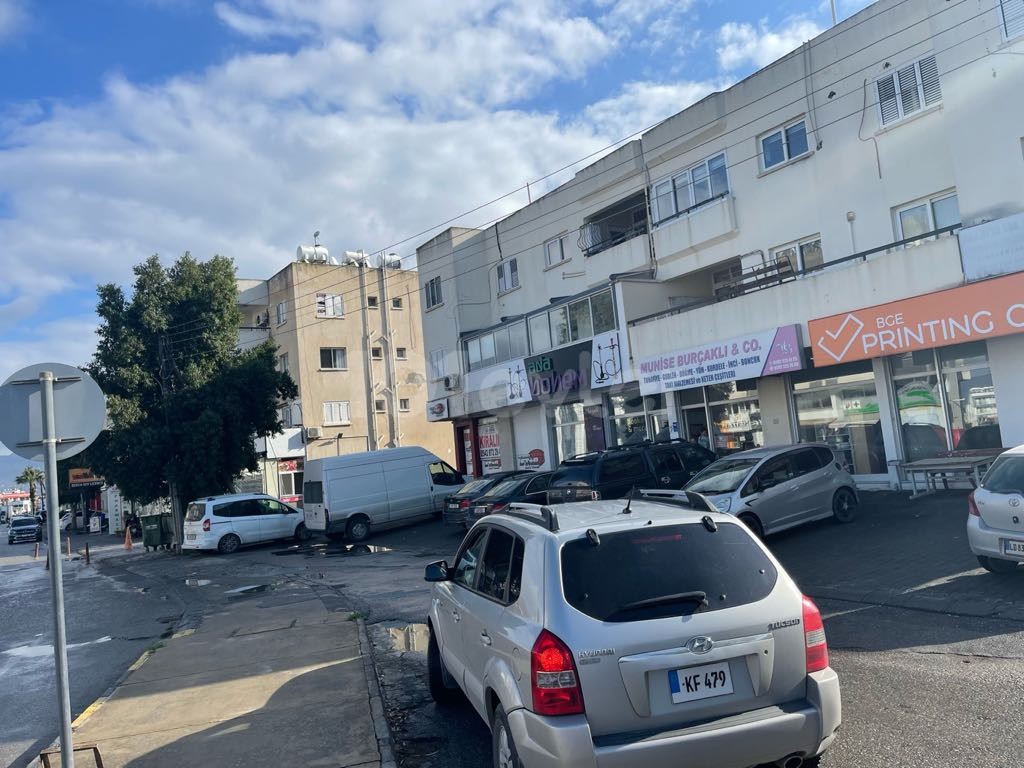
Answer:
x=617 y=634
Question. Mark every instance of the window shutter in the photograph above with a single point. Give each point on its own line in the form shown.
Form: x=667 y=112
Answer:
x=910 y=99
x=1013 y=17
x=513 y=273
x=887 y=102
x=930 y=79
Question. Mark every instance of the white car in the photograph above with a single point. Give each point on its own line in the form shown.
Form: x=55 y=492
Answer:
x=995 y=525
x=226 y=523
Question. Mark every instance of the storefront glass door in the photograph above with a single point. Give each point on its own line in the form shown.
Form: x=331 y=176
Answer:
x=919 y=405
x=570 y=430
x=970 y=397
x=735 y=415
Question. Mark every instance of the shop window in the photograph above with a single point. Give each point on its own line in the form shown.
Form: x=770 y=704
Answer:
x=735 y=416
x=290 y=478
x=570 y=430
x=838 y=406
x=970 y=397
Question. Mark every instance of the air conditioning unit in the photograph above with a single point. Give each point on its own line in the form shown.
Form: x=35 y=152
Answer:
x=313 y=433
x=451 y=382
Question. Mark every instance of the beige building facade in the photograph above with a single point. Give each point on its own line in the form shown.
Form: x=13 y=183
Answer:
x=350 y=336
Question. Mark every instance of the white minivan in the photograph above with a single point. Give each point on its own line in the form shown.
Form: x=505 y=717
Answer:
x=357 y=492
x=226 y=523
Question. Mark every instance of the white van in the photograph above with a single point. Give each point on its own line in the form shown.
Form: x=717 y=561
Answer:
x=353 y=493
x=226 y=523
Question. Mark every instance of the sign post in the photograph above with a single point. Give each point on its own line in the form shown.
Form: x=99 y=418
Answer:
x=53 y=411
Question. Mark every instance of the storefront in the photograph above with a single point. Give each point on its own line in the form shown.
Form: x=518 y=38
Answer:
x=289 y=480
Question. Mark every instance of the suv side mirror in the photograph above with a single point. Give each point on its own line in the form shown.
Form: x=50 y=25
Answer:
x=437 y=571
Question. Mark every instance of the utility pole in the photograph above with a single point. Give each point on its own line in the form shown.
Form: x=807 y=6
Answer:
x=172 y=491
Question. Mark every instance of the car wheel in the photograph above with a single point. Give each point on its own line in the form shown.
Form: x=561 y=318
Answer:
x=503 y=746
x=302 y=532
x=442 y=687
x=357 y=529
x=229 y=544
x=995 y=565
x=844 y=505
x=753 y=524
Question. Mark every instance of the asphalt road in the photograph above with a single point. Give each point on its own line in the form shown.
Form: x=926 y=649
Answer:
x=112 y=617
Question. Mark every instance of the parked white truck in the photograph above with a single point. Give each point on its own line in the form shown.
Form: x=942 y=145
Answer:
x=355 y=493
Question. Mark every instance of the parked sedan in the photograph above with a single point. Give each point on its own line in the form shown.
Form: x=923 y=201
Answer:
x=995 y=530
x=772 y=489
x=24 y=528
x=456 y=506
x=531 y=488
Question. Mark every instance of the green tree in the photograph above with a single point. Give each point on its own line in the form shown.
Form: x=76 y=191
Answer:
x=31 y=477
x=184 y=403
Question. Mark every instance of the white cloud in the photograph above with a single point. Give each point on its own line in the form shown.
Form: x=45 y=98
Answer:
x=742 y=44
x=642 y=104
x=70 y=340
x=12 y=19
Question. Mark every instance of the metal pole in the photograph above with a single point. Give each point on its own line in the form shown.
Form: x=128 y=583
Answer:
x=834 y=19
x=60 y=640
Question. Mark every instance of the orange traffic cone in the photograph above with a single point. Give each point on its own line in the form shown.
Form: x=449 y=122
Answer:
x=127 y=538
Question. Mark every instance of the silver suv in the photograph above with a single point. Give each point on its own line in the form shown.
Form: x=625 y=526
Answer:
x=621 y=634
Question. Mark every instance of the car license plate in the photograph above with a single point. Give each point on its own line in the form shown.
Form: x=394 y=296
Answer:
x=190 y=536
x=1011 y=547
x=702 y=682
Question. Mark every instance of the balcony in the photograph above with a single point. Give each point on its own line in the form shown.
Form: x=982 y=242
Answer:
x=252 y=336
x=689 y=233
x=614 y=225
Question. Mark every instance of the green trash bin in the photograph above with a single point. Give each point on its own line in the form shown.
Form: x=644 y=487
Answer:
x=156 y=531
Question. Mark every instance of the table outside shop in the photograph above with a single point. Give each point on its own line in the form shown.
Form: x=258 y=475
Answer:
x=931 y=470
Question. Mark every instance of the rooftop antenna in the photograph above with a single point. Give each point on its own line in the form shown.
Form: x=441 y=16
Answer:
x=315 y=236
x=629 y=500
x=834 y=20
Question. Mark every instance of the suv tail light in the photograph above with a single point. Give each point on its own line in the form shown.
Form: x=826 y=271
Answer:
x=972 y=506
x=556 y=687
x=464 y=504
x=814 y=637
x=206 y=525
x=496 y=507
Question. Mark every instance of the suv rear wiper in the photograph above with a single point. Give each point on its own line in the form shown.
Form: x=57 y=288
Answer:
x=696 y=596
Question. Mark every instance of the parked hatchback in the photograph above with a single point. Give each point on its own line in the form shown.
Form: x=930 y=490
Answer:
x=613 y=473
x=529 y=489
x=226 y=523
x=772 y=489
x=995 y=530
x=593 y=634
x=456 y=506
x=24 y=528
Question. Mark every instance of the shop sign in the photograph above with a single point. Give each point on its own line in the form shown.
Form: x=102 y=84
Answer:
x=993 y=248
x=517 y=388
x=745 y=357
x=552 y=373
x=289 y=465
x=606 y=360
x=533 y=459
x=982 y=310
x=490 y=445
x=80 y=477
x=437 y=410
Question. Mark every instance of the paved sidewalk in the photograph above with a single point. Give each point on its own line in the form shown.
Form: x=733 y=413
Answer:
x=901 y=553
x=266 y=679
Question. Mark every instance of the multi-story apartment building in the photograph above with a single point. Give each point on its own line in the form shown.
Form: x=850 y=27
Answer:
x=831 y=249
x=350 y=336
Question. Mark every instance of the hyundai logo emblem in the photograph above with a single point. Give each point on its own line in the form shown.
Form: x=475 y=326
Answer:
x=700 y=645
x=1014 y=501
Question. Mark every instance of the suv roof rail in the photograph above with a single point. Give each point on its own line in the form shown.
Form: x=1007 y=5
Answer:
x=548 y=518
x=693 y=499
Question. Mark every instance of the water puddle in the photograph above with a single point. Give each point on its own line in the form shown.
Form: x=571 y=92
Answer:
x=332 y=549
x=196 y=582
x=46 y=651
x=411 y=637
x=249 y=589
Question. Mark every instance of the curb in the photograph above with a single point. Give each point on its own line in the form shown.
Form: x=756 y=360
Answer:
x=385 y=744
x=92 y=708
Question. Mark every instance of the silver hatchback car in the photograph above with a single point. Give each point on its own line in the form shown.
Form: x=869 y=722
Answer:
x=995 y=523
x=772 y=489
x=615 y=635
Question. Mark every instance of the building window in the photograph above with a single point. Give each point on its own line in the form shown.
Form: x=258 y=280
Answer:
x=927 y=215
x=282 y=363
x=802 y=255
x=908 y=90
x=708 y=180
x=280 y=313
x=556 y=251
x=379 y=406
x=497 y=346
x=572 y=322
x=784 y=145
x=333 y=359
x=290 y=475
x=371 y=302
x=508 y=275
x=1013 y=17
x=403 y=404
x=329 y=305
x=396 y=303
x=336 y=412
x=377 y=353
x=432 y=292
x=436 y=364
x=401 y=353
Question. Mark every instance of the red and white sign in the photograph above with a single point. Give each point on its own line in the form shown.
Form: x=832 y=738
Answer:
x=490 y=445
x=437 y=410
x=533 y=459
x=981 y=310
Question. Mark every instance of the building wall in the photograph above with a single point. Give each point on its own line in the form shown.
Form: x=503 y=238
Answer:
x=1006 y=358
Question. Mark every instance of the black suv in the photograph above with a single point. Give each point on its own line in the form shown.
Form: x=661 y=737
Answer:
x=613 y=473
x=24 y=528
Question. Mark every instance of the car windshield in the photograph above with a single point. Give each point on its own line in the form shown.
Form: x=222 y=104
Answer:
x=22 y=522
x=506 y=487
x=1006 y=475
x=724 y=476
x=474 y=486
x=671 y=570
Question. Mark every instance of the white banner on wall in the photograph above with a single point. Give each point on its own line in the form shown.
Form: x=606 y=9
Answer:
x=993 y=248
x=605 y=360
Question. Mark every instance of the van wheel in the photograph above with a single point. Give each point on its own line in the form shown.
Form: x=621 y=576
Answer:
x=753 y=524
x=442 y=687
x=994 y=565
x=844 y=505
x=229 y=544
x=357 y=529
x=302 y=532
x=503 y=747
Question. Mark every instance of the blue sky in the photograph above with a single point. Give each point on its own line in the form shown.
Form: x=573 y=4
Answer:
x=132 y=127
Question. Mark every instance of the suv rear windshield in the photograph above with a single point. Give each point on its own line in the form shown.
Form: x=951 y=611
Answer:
x=573 y=474
x=647 y=573
x=195 y=512
x=1006 y=475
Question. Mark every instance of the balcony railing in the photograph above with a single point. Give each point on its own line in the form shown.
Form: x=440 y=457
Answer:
x=604 y=232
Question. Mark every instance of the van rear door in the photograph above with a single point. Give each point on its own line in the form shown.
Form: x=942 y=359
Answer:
x=313 y=505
